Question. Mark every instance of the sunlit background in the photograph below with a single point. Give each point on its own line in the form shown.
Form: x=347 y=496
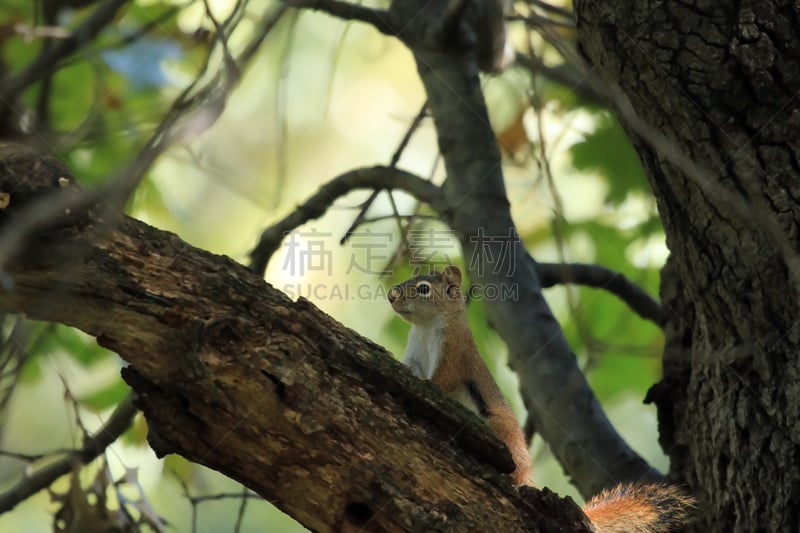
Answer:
x=323 y=97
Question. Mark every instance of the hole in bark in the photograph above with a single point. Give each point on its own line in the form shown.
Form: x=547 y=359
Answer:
x=358 y=513
x=280 y=388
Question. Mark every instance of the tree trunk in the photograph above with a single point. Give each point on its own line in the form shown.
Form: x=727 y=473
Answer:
x=720 y=79
x=232 y=374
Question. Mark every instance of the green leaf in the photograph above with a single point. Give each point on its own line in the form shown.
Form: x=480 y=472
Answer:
x=106 y=397
x=136 y=435
x=616 y=372
x=608 y=151
x=81 y=347
x=31 y=371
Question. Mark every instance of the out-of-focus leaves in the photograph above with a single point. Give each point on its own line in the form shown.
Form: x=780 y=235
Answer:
x=625 y=346
x=616 y=373
x=87 y=508
x=107 y=396
x=178 y=466
x=607 y=150
x=78 y=345
x=31 y=371
x=47 y=339
x=136 y=434
x=15 y=51
x=141 y=61
x=73 y=100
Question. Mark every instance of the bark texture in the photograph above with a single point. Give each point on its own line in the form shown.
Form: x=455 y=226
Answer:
x=232 y=374
x=720 y=80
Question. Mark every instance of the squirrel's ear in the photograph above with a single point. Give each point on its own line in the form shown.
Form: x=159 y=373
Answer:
x=452 y=275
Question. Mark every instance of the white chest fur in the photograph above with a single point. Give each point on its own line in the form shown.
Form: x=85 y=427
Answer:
x=424 y=350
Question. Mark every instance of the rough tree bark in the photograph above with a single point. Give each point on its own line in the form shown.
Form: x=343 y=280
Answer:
x=720 y=80
x=232 y=374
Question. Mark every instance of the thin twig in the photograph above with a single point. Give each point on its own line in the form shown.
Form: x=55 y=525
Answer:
x=237 y=527
x=373 y=178
x=92 y=447
x=245 y=495
x=393 y=163
x=282 y=110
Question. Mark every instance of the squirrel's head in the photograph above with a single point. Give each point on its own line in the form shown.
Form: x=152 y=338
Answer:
x=427 y=298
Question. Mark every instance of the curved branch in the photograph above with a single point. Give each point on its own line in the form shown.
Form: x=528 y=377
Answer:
x=92 y=447
x=364 y=178
x=604 y=278
x=378 y=18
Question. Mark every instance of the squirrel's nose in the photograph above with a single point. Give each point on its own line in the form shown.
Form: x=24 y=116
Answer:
x=394 y=294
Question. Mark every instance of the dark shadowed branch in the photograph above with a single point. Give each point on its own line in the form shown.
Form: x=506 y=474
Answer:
x=378 y=18
x=565 y=74
x=602 y=278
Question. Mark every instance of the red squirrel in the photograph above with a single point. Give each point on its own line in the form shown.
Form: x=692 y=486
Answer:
x=441 y=348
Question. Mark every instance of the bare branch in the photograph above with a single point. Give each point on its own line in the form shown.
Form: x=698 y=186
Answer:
x=378 y=178
x=92 y=447
x=245 y=495
x=378 y=18
x=604 y=278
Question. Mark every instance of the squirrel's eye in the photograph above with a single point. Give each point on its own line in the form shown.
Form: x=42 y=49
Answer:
x=423 y=287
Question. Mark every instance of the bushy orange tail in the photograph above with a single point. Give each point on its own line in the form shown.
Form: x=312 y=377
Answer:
x=630 y=508
x=506 y=427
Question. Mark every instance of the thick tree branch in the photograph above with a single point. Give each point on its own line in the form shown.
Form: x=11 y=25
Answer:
x=365 y=178
x=604 y=278
x=232 y=374
x=93 y=446
x=718 y=85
